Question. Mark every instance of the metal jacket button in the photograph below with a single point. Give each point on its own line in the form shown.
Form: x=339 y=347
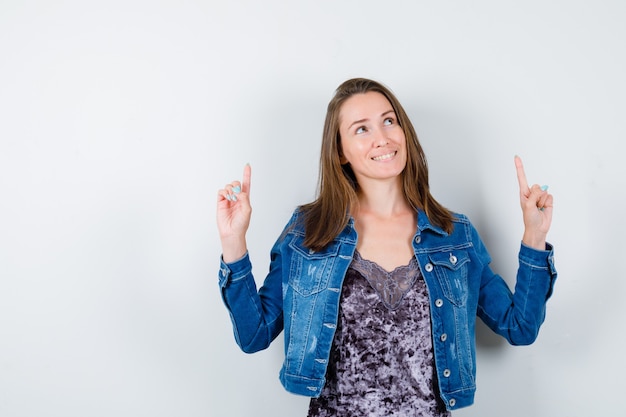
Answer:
x=428 y=267
x=438 y=302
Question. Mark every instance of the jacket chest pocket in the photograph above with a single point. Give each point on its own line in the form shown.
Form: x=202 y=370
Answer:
x=451 y=269
x=310 y=271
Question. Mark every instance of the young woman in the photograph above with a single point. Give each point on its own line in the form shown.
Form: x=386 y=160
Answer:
x=375 y=284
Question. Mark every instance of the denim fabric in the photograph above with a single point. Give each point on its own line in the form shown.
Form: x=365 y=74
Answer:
x=301 y=293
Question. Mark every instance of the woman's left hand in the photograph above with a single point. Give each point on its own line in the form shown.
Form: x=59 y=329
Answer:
x=536 y=205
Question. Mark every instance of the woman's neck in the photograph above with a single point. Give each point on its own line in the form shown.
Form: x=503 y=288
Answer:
x=382 y=199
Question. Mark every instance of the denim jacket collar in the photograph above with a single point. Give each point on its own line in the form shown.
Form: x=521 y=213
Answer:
x=423 y=224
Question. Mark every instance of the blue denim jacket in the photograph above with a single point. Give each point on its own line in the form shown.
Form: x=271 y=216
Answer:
x=301 y=294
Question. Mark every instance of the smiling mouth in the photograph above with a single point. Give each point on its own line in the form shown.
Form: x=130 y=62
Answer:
x=384 y=157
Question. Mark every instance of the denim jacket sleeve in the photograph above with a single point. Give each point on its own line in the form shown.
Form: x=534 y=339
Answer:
x=517 y=315
x=257 y=316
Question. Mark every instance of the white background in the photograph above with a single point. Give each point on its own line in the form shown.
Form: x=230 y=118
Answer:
x=120 y=120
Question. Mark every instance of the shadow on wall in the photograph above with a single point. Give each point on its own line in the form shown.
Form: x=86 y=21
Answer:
x=486 y=339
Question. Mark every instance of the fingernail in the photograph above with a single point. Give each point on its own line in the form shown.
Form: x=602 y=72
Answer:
x=234 y=197
x=236 y=189
x=228 y=197
x=544 y=188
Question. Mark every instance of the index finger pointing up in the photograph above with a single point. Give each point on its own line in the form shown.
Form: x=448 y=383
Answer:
x=245 y=184
x=521 y=176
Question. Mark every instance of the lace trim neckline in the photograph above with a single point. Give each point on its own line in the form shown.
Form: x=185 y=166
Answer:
x=391 y=286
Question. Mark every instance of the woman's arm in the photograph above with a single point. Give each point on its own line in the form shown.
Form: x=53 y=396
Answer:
x=518 y=315
x=257 y=316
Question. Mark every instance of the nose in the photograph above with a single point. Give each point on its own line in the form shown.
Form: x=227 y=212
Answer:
x=381 y=139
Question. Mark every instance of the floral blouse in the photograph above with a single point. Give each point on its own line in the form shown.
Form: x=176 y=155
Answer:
x=381 y=362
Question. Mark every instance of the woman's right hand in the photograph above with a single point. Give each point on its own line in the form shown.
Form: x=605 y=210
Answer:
x=233 y=216
x=537 y=205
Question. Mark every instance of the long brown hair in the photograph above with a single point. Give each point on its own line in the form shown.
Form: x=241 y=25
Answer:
x=328 y=215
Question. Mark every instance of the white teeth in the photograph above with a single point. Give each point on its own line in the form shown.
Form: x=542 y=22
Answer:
x=383 y=157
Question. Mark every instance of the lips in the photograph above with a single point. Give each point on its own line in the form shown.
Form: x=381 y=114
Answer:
x=385 y=156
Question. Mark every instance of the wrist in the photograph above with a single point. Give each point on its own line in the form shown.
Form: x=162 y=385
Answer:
x=233 y=249
x=534 y=240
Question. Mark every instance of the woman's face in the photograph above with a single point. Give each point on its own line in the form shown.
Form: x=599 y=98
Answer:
x=372 y=141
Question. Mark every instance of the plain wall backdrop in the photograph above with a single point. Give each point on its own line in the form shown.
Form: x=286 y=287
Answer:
x=120 y=120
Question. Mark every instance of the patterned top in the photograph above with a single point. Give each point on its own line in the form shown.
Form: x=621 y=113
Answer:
x=381 y=362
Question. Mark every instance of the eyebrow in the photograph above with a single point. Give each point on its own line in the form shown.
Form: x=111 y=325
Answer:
x=365 y=120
